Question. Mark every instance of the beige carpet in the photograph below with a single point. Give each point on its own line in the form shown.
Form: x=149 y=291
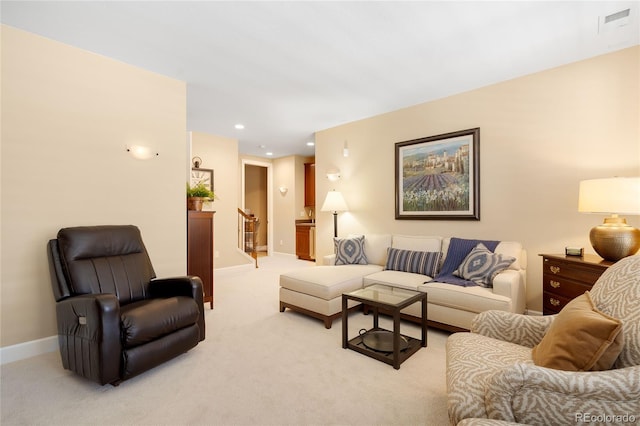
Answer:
x=257 y=366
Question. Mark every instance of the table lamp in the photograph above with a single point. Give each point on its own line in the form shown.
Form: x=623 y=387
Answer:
x=614 y=239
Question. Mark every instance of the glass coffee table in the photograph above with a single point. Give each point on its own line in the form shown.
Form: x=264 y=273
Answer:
x=387 y=346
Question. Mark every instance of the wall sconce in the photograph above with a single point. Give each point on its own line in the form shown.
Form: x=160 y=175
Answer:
x=333 y=174
x=283 y=190
x=141 y=152
x=345 y=149
x=196 y=161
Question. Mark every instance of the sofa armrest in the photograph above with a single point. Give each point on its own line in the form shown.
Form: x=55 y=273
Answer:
x=329 y=259
x=523 y=330
x=511 y=283
x=89 y=336
x=569 y=397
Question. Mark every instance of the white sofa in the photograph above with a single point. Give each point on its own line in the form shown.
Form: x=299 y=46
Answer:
x=317 y=291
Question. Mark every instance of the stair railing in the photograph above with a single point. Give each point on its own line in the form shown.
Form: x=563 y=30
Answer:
x=248 y=234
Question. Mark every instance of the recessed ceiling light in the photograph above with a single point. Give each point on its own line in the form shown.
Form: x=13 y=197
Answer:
x=310 y=143
x=239 y=126
x=269 y=153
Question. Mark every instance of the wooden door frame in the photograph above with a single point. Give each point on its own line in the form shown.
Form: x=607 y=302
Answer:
x=269 y=222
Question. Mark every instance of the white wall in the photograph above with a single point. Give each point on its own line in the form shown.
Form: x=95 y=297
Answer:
x=284 y=205
x=539 y=136
x=67 y=116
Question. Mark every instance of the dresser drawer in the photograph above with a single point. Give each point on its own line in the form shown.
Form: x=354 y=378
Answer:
x=562 y=286
x=566 y=277
x=553 y=303
x=587 y=274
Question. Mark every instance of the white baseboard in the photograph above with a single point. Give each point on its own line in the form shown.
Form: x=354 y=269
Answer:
x=280 y=253
x=234 y=268
x=28 y=349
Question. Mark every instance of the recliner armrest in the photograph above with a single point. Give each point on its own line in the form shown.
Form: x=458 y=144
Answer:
x=89 y=336
x=188 y=286
x=567 y=396
x=523 y=330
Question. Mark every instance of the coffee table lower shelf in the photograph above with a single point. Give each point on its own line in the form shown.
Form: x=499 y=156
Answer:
x=413 y=345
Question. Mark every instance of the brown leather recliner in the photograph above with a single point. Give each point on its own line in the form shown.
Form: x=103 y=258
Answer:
x=115 y=320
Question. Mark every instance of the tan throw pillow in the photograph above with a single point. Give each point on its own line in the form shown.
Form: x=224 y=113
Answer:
x=580 y=338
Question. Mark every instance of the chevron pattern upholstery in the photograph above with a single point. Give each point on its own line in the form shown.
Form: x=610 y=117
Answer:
x=490 y=374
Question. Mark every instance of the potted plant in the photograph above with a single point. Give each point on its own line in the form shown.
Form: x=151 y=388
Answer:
x=198 y=194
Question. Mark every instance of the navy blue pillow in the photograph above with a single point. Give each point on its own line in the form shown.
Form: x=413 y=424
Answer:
x=459 y=249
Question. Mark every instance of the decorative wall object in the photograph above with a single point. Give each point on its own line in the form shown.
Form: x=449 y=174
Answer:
x=437 y=177
x=204 y=176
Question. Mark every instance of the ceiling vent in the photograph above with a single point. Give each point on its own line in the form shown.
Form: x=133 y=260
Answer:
x=617 y=16
x=613 y=21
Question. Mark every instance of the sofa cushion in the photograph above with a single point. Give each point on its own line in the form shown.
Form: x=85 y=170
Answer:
x=471 y=299
x=511 y=249
x=350 y=251
x=327 y=282
x=580 y=338
x=375 y=247
x=481 y=266
x=457 y=251
x=399 y=279
x=418 y=262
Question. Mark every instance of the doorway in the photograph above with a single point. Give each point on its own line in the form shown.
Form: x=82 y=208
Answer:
x=256 y=201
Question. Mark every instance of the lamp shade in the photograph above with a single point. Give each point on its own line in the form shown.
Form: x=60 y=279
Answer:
x=334 y=202
x=614 y=239
x=620 y=195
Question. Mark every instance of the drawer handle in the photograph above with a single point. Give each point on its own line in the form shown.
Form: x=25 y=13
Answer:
x=554 y=269
x=554 y=302
x=555 y=284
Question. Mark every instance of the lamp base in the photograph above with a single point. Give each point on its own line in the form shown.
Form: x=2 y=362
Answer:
x=614 y=239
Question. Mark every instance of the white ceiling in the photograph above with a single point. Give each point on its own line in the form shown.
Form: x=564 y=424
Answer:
x=288 y=69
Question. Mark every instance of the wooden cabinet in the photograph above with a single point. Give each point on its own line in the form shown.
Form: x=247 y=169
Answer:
x=566 y=277
x=305 y=243
x=200 y=250
x=309 y=184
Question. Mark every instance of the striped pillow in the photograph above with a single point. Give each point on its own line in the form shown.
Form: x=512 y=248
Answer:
x=418 y=262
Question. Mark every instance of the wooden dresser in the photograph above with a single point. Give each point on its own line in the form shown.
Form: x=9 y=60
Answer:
x=200 y=250
x=566 y=277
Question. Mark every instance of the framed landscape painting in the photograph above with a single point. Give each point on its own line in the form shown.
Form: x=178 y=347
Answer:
x=437 y=177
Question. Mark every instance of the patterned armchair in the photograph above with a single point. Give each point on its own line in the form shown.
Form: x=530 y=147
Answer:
x=491 y=374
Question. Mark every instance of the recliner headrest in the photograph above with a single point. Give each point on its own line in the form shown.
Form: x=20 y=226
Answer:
x=84 y=242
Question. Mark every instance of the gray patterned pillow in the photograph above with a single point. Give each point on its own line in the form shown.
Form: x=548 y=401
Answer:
x=482 y=265
x=350 y=251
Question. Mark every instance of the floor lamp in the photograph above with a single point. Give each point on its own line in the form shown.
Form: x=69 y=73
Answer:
x=334 y=203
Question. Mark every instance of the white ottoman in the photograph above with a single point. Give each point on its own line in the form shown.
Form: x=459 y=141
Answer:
x=317 y=291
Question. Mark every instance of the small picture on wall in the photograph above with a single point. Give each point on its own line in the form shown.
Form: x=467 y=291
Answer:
x=437 y=177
